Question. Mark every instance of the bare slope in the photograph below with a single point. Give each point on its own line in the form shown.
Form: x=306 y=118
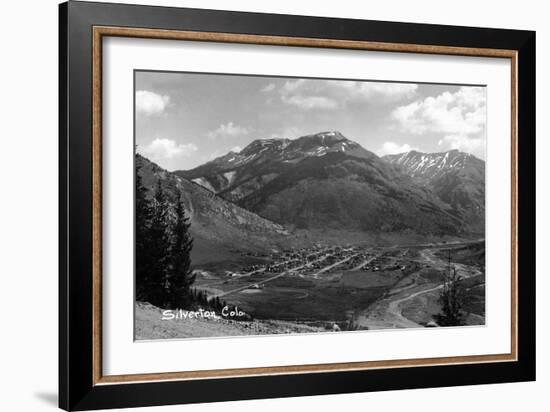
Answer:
x=326 y=181
x=149 y=325
x=237 y=175
x=214 y=220
x=457 y=178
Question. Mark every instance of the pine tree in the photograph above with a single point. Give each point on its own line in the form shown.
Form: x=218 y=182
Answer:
x=159 y=249
x=451 y=300
x=144 y=214
x=181 y=276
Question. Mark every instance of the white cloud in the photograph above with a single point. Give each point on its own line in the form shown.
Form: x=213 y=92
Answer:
x=459 y=118
x=214 y=154
x=331 y=94
x=385 y=92
x=467 y=144
x=150 y=103
x=228 y=130
x=311 y=102
x=290 y=132
x=269 y=88
x=236 y=149
x=163 y=149
x=460 y=113
x=394 y=148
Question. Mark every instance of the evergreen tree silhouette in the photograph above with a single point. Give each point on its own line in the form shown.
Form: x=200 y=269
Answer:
x=181 y=276
x=144 y=214
x=159 y=249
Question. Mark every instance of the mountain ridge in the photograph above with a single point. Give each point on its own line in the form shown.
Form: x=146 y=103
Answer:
x=225 y=175
x=456 y=177
x=214 y=220
x=279 y=178
x=432 y=165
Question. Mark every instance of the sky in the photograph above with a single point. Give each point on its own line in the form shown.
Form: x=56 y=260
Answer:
x=183 y=120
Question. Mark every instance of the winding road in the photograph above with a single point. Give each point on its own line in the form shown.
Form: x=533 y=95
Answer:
x=387 y=313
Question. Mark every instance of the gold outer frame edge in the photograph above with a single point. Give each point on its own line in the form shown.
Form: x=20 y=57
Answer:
x=101 y=31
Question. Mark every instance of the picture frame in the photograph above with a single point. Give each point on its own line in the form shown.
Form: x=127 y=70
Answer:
x=83 y=27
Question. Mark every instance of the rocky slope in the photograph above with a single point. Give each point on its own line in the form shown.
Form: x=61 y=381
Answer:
x=149 y=325
x=457 y=178
x=214 y=220
x=237 y=175
x=325 y=181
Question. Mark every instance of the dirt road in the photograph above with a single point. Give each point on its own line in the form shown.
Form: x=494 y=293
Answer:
x=287 y=272
x=327 y=268
x=387 y=312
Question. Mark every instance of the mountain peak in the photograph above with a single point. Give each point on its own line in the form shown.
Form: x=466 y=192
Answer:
x=329 y=137
x=261 y=145
x=419 y=164
x=321 y=138
x=332 y=135
x=263 y=159
x=287 y=150
x=456 y=177
x=452 y=153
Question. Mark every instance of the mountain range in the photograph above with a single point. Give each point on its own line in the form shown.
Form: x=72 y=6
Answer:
x=457 y=178
x=326 y=181
x=237 y=175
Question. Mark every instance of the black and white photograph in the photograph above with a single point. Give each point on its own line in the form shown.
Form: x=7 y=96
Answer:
x=277 y=205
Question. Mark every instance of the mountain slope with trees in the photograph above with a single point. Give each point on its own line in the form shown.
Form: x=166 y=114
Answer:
x=237 y=175
x=344 y=192
x=163 y=250
x=325 y=180
x=457 y=178
x=216 y=223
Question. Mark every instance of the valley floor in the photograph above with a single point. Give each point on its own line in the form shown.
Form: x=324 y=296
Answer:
x=323 y=288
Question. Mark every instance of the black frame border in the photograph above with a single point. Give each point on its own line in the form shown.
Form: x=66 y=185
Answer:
x=76 y=388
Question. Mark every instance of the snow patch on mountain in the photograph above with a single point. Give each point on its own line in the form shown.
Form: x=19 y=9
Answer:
x=432 y=165
x=201 y=181
x=229 y=176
